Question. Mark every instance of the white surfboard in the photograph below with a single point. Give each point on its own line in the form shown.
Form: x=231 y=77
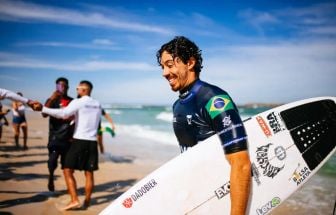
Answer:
x=287 y=145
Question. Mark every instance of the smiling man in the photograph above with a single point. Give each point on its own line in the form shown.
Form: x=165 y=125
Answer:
x=203 y=110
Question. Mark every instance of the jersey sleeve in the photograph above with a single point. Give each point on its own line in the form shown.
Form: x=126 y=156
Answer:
x=12 y=96
x=66 y=112
x=226 y=122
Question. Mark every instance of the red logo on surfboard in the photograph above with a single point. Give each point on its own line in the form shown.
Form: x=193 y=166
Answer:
x=264 y=126
x=128 y=203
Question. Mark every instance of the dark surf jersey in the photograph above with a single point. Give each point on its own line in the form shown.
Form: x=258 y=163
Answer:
x=205 y=110
x=60 y=130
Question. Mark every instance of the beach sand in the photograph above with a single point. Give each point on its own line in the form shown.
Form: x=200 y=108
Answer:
x=24 y=174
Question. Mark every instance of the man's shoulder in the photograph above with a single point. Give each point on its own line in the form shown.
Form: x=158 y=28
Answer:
x=208 y=91
x=68 y=98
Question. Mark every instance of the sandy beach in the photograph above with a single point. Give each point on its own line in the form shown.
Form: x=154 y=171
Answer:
x=24 y=175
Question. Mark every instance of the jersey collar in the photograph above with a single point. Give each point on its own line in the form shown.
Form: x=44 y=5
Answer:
x=191 y=91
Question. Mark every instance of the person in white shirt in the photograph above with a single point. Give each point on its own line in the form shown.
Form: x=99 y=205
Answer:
x=83 y=152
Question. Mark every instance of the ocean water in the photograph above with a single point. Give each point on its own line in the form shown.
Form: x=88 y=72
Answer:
x=154 y=124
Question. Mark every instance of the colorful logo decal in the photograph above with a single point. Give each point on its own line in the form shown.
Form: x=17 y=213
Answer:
x=300 y=175
x=128 y=202
x=264 y=163
x=218 y=104
x=269 y=206
x=223 y=190
x=264 y=126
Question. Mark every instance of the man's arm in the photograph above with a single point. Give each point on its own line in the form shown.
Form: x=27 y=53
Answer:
x=15 y=97
x=240 y=179
x=64 y=113
x=12 y=96
x=230 y=129
x=109 y=119
x=49 y=103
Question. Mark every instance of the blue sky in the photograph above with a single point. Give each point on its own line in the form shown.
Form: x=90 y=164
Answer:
x=258 y=51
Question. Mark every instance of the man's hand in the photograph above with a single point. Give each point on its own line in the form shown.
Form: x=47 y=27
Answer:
x=35 y=105
x=55 y=95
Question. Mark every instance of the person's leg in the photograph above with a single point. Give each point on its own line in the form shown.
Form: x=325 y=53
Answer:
x=24 y=128
x=100 y=142
x=89 y=183
x=0 y=132
x=52 y=165
x=72 y=189
x=16 y=129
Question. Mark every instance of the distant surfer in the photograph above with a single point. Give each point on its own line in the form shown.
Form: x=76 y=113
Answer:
x=203 y=110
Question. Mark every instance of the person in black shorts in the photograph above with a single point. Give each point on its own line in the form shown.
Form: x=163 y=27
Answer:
x=203 y=110
x=60 y=130
x=83 y=151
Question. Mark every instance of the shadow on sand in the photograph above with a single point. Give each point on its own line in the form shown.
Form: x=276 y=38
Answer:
x=7 y=172
x=114 y=189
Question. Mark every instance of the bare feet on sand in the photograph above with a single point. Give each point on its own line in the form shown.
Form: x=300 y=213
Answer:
x=72 y=205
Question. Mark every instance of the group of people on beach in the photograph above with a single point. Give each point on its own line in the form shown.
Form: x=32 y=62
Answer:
x=202 y=110
x=73 y=134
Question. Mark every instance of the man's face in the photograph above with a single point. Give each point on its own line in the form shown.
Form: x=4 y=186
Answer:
x=175 y=71
x=82 y=90
x=62 y=87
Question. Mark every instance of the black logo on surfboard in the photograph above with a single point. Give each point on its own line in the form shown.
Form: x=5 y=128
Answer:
x=263 y=160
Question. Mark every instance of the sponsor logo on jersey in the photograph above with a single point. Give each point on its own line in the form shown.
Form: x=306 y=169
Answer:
x=274 y=122
x=269 y=170
x=218 y=104
x=230 y=128
x=189 y=118
x=269 y=206
x=128 y=202
x=223 y=190
x=264 y=126
x=227 y=121
x=300 y=175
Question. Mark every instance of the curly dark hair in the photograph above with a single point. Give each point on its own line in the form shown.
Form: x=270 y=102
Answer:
x=184 y=49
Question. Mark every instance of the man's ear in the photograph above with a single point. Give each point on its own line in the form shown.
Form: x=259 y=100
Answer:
x=191 y=63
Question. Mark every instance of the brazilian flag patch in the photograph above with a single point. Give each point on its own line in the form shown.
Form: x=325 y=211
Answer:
x=218 y=104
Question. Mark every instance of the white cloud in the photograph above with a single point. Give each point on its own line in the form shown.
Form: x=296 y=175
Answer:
x=314 y=20
x=29 y=12
x=105 y=42
x=273 y=73
x=8 y=60
x=99 y=44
